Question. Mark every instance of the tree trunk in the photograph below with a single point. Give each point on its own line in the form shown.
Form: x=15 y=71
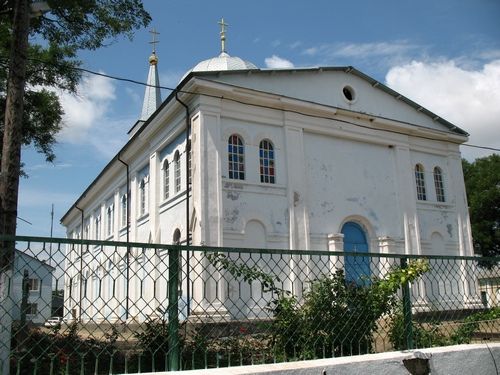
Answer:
x=9 y=172
x=11 y=150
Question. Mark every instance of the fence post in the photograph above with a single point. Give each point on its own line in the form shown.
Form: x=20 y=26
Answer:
x=173 y=309
x=407 y=318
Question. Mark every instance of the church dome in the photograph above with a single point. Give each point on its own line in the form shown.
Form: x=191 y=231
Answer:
x=223 y=62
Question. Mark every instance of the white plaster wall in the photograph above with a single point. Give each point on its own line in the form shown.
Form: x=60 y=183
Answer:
x=474 y=359
x=325 y=87
x=350 y=179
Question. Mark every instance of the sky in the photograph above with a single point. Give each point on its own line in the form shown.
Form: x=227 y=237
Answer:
x=444 y=55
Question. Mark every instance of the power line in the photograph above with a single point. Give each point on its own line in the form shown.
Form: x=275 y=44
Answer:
x=129 y=80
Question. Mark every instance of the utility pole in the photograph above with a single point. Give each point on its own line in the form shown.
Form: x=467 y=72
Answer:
x=51 y=231
x=10 y=167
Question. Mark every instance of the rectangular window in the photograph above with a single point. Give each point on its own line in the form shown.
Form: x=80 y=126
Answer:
x=143 y=186
x=438 y=184
x=110 y=220
x=177 y=175
x=97 y=227
x=166 y=180
x=34 y=285
x=86 y=230
x=32 y=309
x=189 y=163
x=420 y=182
x=123 y=208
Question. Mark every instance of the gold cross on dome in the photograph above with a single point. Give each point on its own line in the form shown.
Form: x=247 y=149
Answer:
x=223 y=34
x=154 y=41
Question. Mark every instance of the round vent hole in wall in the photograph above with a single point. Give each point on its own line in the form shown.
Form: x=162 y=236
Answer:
x=349 y=93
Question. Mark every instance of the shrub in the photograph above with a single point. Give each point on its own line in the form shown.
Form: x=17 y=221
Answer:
x=337 y=317
x=423 y=336
x=434 y=334
x=65 y=352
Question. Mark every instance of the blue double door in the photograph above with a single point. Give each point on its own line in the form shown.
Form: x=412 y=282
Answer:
x=357 y=268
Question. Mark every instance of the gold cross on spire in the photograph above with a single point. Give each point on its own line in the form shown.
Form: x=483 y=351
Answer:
x=223 y=34
x=154 y=41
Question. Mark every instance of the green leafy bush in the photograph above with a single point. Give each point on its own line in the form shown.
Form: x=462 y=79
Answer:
x=61 y=351
x=336 y=317
x=424 y=335
x=434 y=333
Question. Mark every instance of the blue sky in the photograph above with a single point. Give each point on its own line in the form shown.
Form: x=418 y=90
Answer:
x=442 y=54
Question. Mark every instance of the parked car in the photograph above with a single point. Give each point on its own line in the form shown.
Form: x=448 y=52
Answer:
x=53 y=321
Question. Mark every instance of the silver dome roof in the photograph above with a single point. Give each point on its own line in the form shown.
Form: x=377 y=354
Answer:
x=223 y=62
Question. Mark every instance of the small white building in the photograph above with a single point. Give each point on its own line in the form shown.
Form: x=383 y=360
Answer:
x=39 y=295
x=313 y=159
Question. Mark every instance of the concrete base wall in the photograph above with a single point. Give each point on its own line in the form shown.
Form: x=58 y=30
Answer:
x=475 y=359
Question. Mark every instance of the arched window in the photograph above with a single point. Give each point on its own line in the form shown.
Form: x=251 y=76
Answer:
x=420 y=182
x=266 y=157
x=236 y=157
x=142 y=196
x=177 y=171
x=177 y=237
x=166 y=179
x=438 y=184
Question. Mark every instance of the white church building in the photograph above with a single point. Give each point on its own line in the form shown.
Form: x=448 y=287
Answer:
x=323 y=158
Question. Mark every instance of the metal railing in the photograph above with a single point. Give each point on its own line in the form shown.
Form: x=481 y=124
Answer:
x=133 y=307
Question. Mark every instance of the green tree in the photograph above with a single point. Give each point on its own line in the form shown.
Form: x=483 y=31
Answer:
x=55 y=39
x=482 y=182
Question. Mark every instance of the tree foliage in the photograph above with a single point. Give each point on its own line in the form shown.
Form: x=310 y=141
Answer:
x=482 y=182
x=55 y=38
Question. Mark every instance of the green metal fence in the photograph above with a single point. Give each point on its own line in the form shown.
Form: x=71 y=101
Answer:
x=136 y=307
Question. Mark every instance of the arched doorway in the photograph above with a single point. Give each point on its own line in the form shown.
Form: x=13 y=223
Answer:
x=357 y=268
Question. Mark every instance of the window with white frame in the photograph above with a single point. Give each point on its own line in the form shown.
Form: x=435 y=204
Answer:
x=34 y=285
x=110 y=220
x=97 y=227
x=266 y=159
x=236 y=157
x=177 y=172
x=438 y=184
x=86 y=230
x=142 y=196
x=420 y=182
x=166 y=179
x=123 y=208
x=188 y=150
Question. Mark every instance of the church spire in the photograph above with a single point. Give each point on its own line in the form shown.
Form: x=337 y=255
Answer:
x=152 y=95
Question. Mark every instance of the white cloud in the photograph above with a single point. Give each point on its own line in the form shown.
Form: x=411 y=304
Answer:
x=89 y=118
x=276 y=62
x=365 y=50
x=361 y=50
x=86 y=110
x=374 y=56
x=468 y=98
